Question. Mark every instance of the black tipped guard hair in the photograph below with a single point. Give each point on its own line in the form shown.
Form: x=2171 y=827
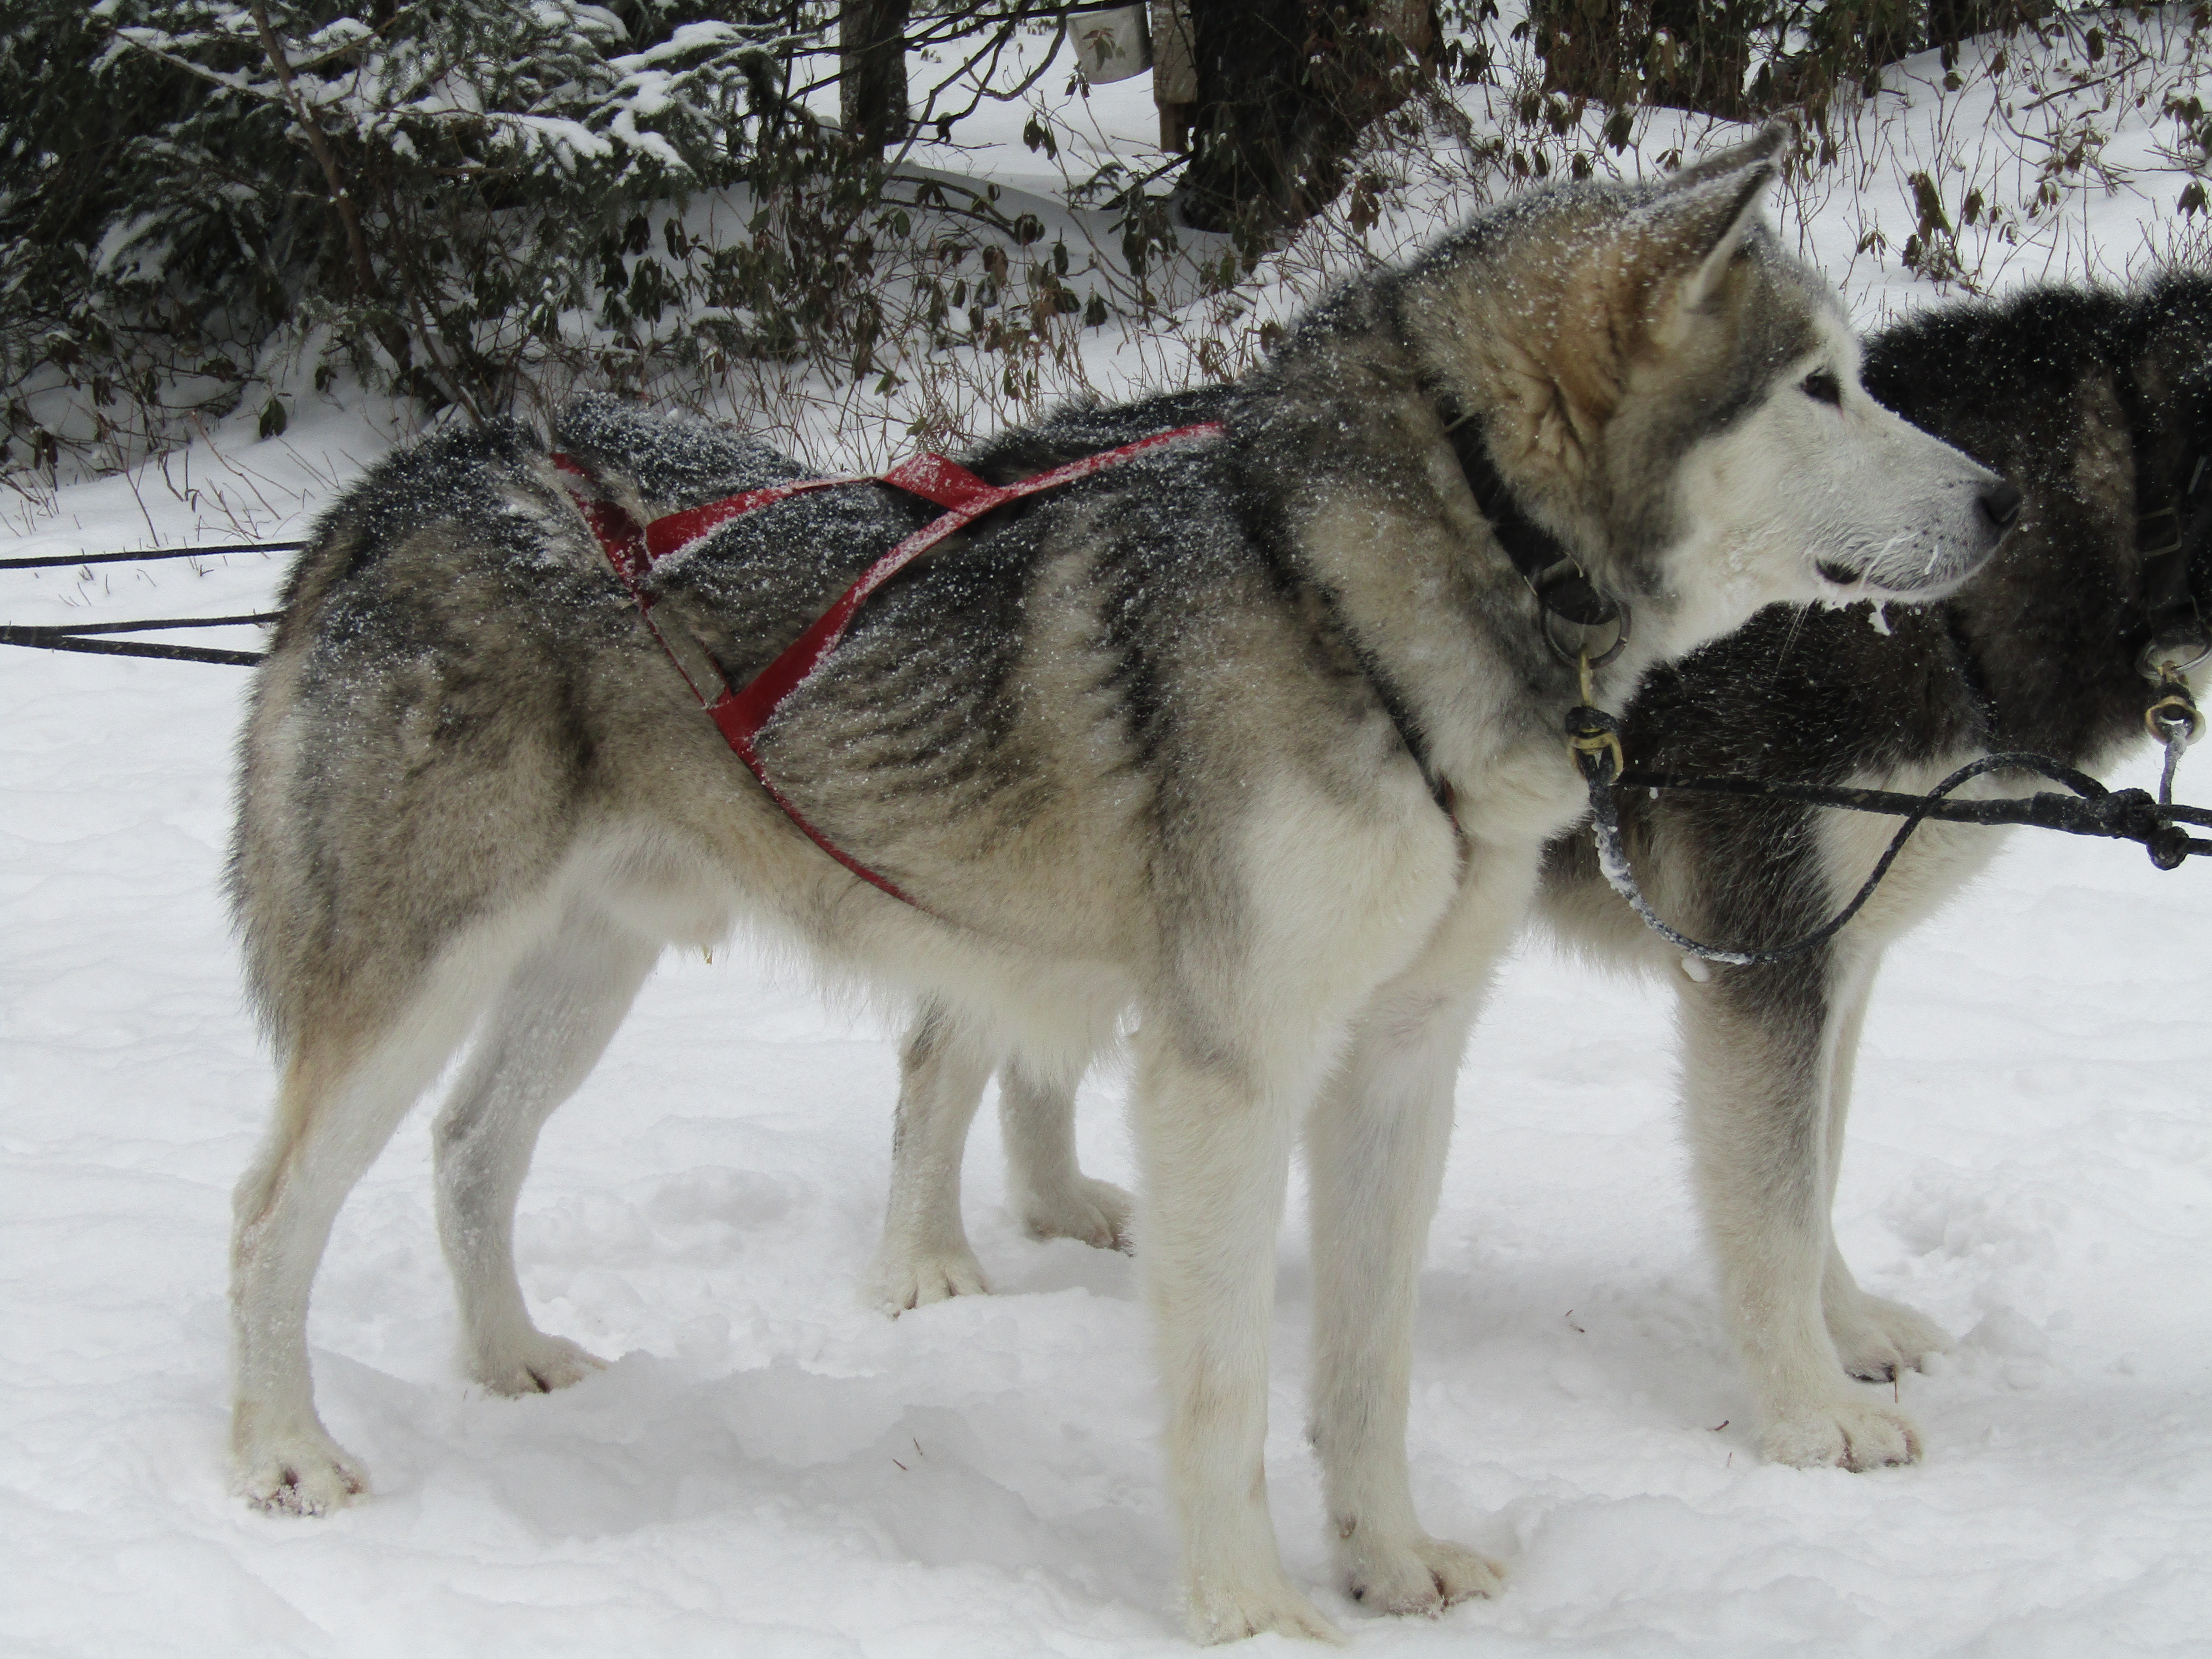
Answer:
x=1763 y=146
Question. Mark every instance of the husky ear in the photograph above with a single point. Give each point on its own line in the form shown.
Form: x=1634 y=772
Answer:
x=1702 y=215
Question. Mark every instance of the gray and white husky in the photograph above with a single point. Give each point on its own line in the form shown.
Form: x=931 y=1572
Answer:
x=2100 y=404
x=1178 y=738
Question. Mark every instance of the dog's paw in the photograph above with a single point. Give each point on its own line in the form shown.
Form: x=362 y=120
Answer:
x=303 y=1473
x=1222 y=1613
x=1877 y=1341
x=537 y=1365
x=914 y=1279
x=1421 y=1575
x=1844 y=1434
x=1094 y=1213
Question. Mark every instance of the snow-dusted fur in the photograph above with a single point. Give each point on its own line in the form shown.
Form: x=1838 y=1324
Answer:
x=2099 y=405
x=1149 y=742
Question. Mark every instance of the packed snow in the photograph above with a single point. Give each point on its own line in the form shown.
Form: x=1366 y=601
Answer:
x=771 y=1468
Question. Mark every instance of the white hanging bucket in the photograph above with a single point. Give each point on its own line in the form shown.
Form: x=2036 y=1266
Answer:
x=1111 y=42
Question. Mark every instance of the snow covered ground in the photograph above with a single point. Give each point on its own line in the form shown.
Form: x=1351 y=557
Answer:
x=771 y=1469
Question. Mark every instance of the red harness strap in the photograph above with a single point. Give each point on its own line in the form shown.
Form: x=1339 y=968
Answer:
x=739 y=715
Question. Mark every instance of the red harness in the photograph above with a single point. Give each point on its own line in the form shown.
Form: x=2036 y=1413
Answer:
x=632 y=550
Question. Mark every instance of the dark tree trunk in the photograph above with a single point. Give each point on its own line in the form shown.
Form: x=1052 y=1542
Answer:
x=872 y=71
x=1250 y=56
x=1285 y=88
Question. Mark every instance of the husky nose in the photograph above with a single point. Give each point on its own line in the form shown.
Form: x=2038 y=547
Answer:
x=2001 y=506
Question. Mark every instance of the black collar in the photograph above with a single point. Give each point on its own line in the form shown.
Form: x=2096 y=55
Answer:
x=1563 y=588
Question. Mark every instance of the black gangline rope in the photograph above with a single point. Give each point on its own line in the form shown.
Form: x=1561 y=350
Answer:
x=75 y=638
x=2093 y=810
x=85 y=636
x=65 y=561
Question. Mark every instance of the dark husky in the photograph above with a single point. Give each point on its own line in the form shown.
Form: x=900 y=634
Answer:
x=1258 y=733
x=2100 y=406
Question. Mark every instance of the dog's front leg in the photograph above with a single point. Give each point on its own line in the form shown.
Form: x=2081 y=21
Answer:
x=1215 y=1142
x=1758 y=1044
x=1376 y=1146
x=1875 y=1339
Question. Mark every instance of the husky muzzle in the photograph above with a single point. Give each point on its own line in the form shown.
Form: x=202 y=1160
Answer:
x=1997 y=510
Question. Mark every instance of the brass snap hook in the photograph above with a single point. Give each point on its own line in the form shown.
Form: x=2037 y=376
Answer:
x=2173 y=719
x=1590 y=730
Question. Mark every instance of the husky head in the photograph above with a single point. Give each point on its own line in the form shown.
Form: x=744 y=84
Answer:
x=1679 y=402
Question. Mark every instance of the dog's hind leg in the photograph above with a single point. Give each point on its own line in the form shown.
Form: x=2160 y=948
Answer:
x=340 y=1098
x=1054 y=1198
x=544 y=1033
x=924 y=1257
x=1758 y=1050
x=1875 y=1339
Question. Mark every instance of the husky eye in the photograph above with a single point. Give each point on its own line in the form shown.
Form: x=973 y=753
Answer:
x=1822 y=387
